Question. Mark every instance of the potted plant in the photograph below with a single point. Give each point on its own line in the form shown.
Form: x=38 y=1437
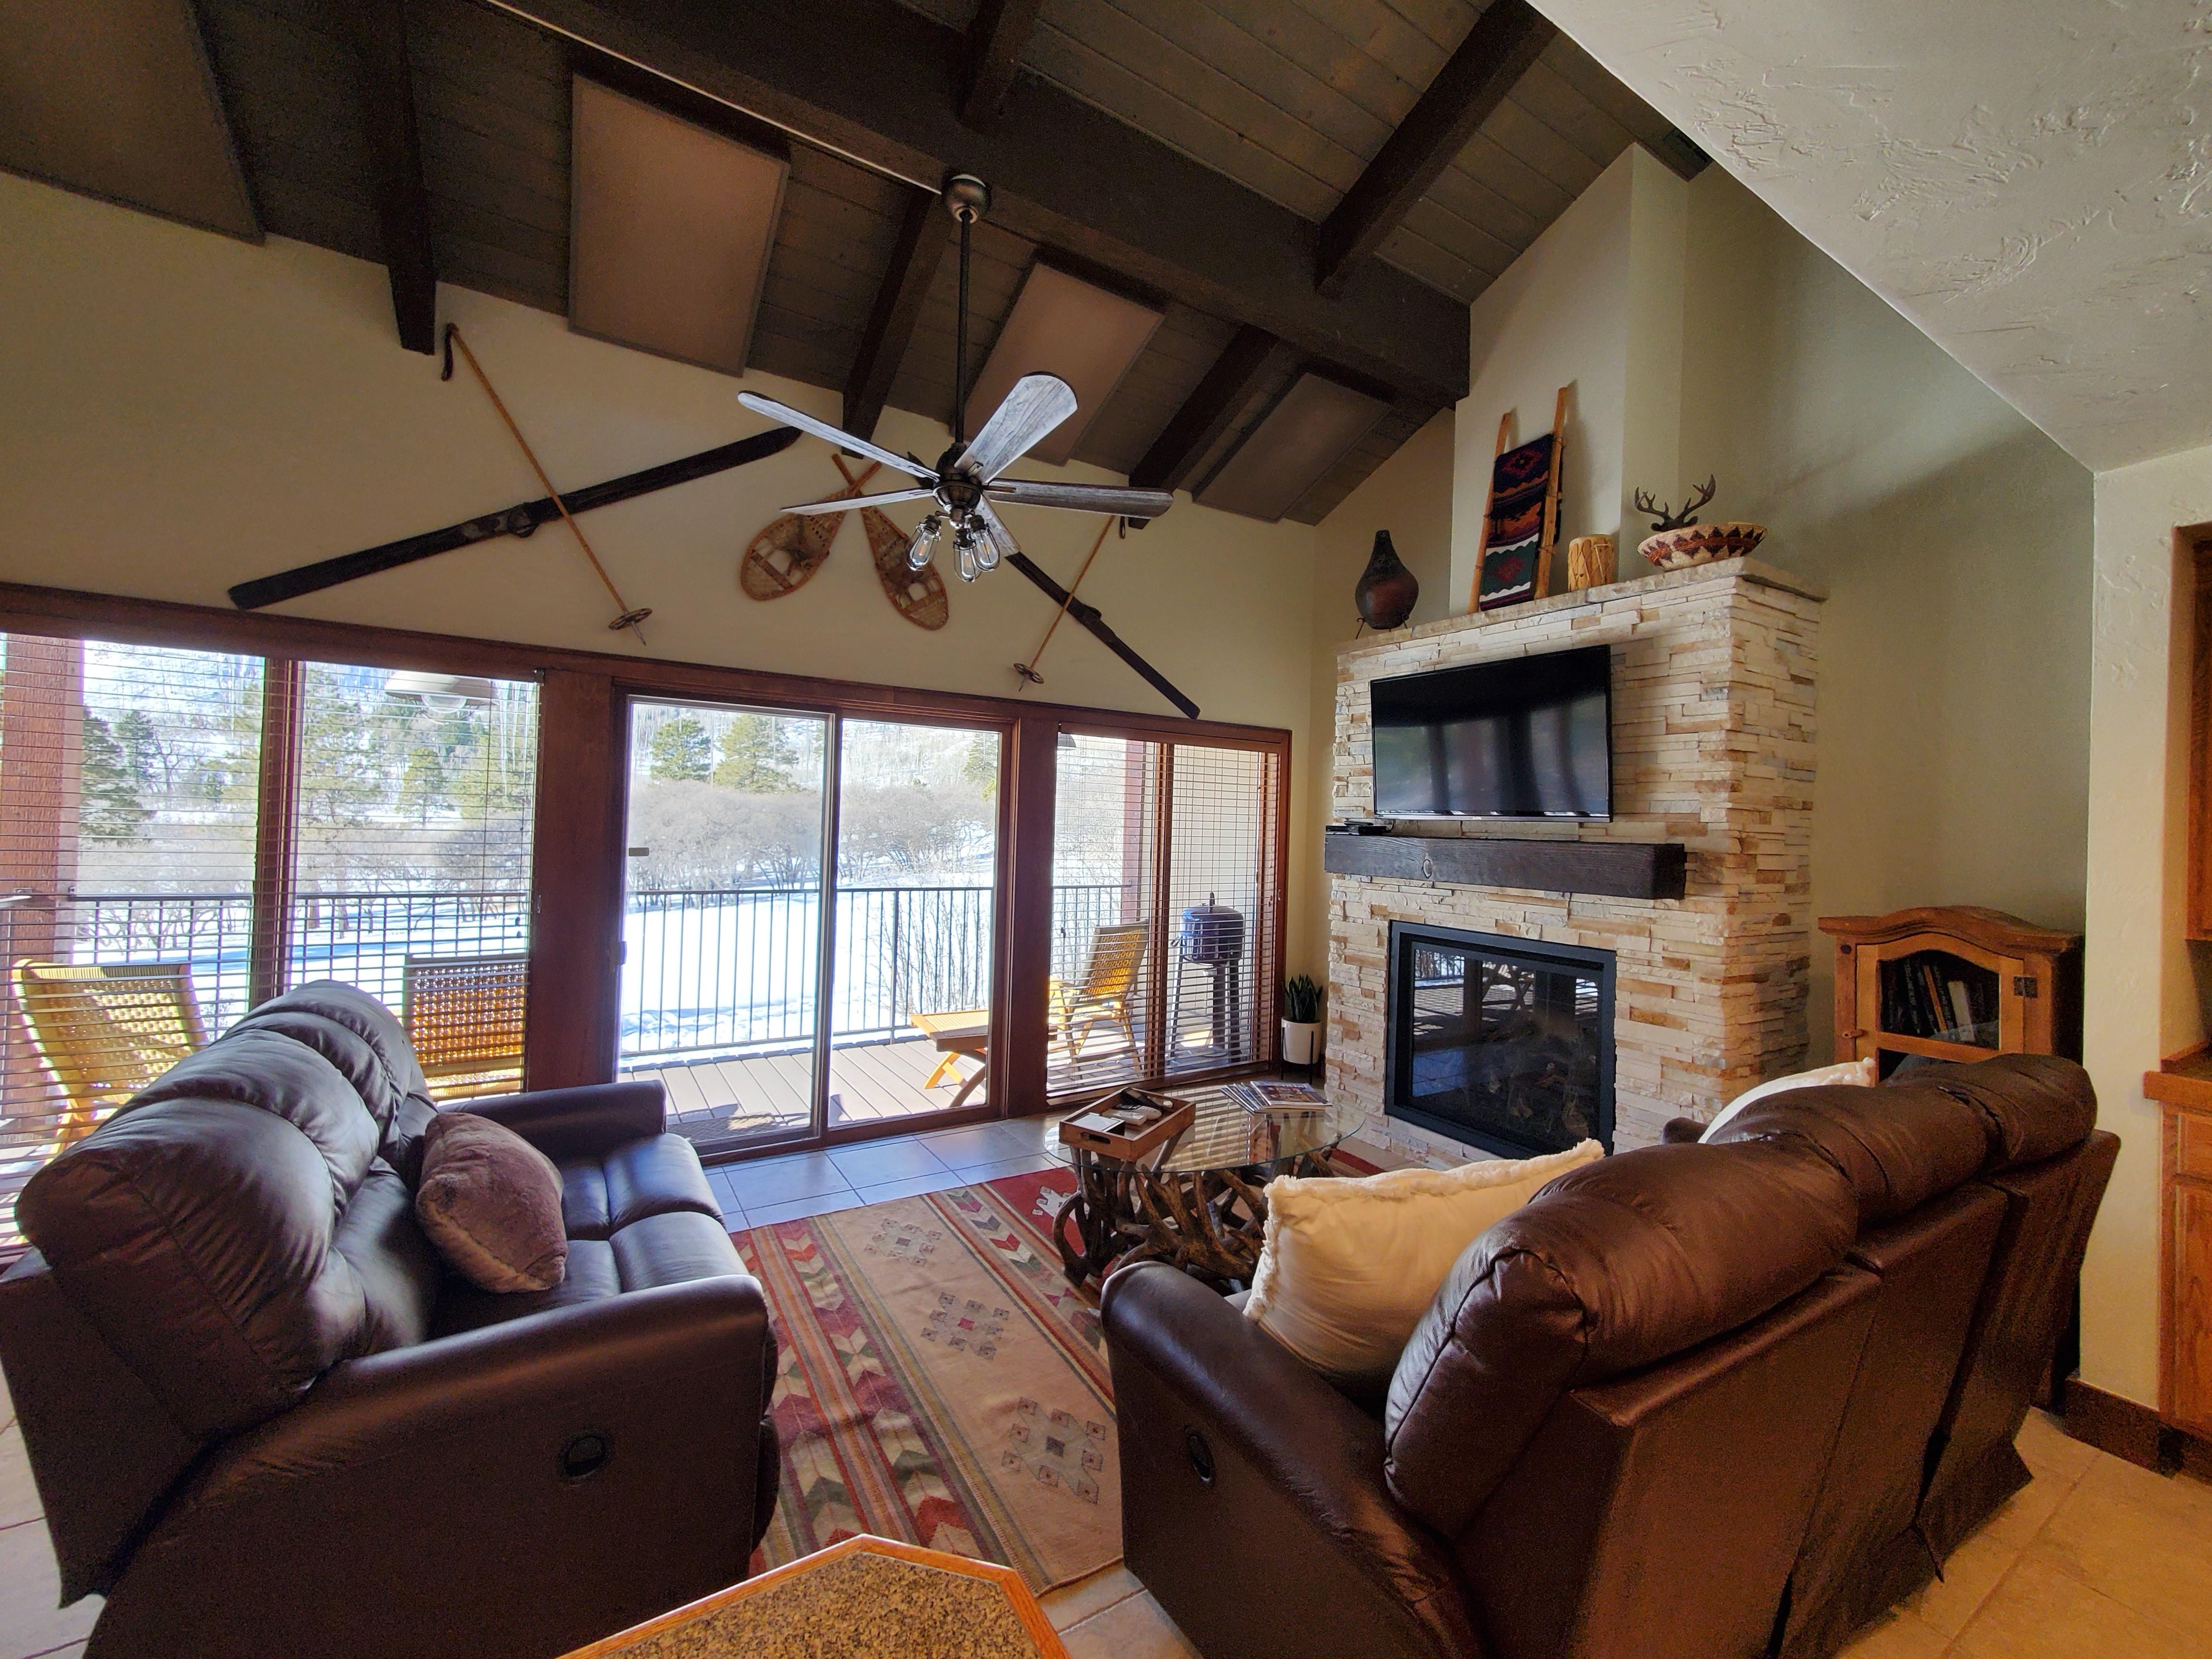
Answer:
x=1301 y=1022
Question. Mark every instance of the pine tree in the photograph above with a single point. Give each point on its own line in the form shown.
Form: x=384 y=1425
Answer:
x=109 y=808
x=756 y=757
x=681 y=751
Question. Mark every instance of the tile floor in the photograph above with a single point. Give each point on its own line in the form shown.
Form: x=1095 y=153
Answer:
x=769 y=1189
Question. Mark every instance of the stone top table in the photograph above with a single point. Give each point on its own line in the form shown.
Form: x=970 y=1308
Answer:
x=865 y=1598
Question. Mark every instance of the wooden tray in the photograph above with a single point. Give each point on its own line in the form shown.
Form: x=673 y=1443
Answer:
x=1128 y=1148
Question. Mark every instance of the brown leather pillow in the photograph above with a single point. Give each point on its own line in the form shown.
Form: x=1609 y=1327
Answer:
x=491 y=1203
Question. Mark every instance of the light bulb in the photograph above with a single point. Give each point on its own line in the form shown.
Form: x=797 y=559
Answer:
x=923 y=547
x=986 y=551
x=966 y=538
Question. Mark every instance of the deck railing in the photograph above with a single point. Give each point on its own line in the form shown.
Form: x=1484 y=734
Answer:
x=729 y=969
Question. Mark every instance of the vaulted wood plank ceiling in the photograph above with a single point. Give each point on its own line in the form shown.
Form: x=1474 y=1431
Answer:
x=1289 y=100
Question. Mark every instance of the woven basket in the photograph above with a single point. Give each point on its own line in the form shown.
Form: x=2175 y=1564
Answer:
x=1700 y=544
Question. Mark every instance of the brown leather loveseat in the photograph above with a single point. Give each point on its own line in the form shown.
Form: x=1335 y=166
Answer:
x=265 y=1419
x=1696 y=1401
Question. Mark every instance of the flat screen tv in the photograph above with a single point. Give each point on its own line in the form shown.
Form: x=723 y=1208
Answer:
x=1524 y=737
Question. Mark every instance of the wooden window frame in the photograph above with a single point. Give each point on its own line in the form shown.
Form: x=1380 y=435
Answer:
x=577 y=870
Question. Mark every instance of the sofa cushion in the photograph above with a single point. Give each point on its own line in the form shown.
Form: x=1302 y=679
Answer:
x=287 y=1081
x=400 y=1270
x=1348 y=1267
x=362 y=1038
x=491 y=1203
x=1898 y=1146
x=663 y=1250
x=2035 y=1106
x=196 y=1232
x=649 y=1176
x=1612 y=1267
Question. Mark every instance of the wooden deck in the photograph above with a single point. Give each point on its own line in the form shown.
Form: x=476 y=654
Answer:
x=758 y=1094
x=720 y=1099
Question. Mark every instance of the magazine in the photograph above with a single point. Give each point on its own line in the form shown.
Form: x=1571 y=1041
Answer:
x=1271 y=1099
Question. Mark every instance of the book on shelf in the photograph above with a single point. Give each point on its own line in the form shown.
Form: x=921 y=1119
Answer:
x=1268 y=1099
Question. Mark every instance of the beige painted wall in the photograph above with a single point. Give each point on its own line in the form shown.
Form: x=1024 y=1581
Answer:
x=1410 y=496
x=182 y=410
x=1559 y=317
x=1954 y=541
x=2142 y=997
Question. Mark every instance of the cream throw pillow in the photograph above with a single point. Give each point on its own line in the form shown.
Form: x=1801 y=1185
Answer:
x=1865 y=1072
x=1347 y=1268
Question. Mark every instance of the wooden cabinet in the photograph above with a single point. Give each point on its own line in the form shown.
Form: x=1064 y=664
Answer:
x=1953 y=983
x=2183 y=1088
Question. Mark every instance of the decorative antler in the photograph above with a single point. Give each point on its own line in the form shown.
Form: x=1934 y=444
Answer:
x=1664 y=518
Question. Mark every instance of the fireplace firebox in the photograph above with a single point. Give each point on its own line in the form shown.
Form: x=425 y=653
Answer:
x=1503 y=1043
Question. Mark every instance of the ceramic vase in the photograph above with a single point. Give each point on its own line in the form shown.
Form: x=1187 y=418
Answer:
x=1387 y=589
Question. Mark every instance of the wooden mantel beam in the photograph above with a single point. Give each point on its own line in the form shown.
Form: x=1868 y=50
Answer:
x=995 y=39
x=403 y=199
x=1497 y=52
x=1192 y=429
x=921 y=244
x=884 y=85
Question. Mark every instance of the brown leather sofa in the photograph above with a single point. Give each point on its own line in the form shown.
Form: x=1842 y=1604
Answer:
x=264 y=1419
x=1692 y=1402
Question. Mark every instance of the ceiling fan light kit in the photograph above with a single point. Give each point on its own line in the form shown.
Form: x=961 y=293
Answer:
x=966 y=481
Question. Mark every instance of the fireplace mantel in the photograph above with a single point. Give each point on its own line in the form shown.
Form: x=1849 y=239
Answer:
x=1646 y=870
x=1712 y=737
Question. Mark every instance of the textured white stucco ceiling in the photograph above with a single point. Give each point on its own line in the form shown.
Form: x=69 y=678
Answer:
x=2029 y=181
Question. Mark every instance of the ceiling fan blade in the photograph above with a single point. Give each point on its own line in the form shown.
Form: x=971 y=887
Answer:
x=1084 y=498
x=1036 y=403
x=854 y=503
x=801 y=419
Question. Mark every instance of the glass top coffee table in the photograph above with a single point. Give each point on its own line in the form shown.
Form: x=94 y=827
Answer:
x=1194 y=1200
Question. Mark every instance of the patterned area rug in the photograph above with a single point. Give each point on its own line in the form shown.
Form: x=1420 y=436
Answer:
x=940 y=1382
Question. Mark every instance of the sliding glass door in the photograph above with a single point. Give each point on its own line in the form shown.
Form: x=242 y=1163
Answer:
x=776 y=1002
x=722 y=915
x=917 y=857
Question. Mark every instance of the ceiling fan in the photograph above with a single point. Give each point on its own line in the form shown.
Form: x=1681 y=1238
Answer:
x=966 y=482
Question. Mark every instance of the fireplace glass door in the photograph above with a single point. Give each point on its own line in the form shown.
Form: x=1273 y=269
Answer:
x=1500 y=1044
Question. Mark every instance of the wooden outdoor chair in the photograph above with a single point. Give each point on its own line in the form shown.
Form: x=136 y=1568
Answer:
x=1102 y=998
x=106 y=1029
x=464 y=1015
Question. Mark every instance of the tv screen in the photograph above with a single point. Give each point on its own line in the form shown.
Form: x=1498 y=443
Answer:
x=1524 y=737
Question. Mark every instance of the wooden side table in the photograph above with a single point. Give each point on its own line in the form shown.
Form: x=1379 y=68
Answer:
x=963 y=1034
x=865 y=1597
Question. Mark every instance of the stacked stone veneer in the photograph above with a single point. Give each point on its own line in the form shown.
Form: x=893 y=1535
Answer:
x=1712 y=734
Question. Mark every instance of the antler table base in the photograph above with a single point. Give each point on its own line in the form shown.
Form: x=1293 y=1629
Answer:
x=1209 y=1222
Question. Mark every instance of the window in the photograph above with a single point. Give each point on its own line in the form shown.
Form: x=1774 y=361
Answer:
x=186 y=833
x=1165 y=868
x=129 y=781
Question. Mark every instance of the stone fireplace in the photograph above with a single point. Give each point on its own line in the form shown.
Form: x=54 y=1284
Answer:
x=1712 y=740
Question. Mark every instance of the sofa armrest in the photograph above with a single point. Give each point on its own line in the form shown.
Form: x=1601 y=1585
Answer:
x=587 y=1122
x=1677 y=1130
x=1243 y=1465
x=540 y=1482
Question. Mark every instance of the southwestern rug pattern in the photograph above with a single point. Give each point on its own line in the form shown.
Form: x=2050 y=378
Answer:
x=938 y=1382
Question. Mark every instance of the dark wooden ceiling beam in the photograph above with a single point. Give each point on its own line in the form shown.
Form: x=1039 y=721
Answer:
x=995 y=39
x=922 y=236
x=1250 y=356
x=885 y=86
x=1498 y=51
x=403 y=199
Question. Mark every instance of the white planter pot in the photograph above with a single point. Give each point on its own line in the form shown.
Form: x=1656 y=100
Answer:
x=1301 y=1042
